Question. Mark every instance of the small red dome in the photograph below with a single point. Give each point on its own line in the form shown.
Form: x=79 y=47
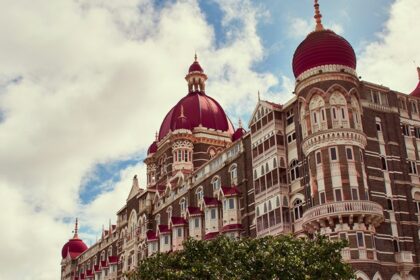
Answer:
x=195 y=67
x=323 y=47
x=198 y=109
x=75 y=247
x=416 y=91
x=153 y=148
x=238 y=134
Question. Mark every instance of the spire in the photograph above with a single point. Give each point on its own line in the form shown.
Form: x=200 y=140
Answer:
x=156 y=136
x=259 y=95
x=76 y=230
x=181 y=114
x=135 y=181
x=318 y=17
x=418 y=72
x=195 y=56
x=240 y=123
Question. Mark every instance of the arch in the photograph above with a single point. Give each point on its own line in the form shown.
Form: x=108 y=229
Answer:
x=294 y=170
x=396 y=276
x=296 y=196
x=216 y=183
x=183 y=205
x=360 y=275
x=199 y=192
x=337 y=98
x=233 y=173
x=377 y=276
x=315 y=91
x=316 y=102
x=336 y=88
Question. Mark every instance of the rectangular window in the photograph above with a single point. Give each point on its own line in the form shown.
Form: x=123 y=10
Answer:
x=378 y=126
x=318 y=158
x=405 y=129
x=414 y=107
x=197 y=222
x=289 y=117
x=323 y=115
x=179 y=232
x=349 y=153
x=322 y=197
x=360 y=240
x=315 y=117
x=343 y=236
x=231 y=203
x=334 y=113
x=412 y=165
x=166 y=241
x=213 y=213
x=333 y=154
x=338 y=194
x=291 y=137
x=354 y=194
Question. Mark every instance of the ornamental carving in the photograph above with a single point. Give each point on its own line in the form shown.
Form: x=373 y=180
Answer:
x=182 y=145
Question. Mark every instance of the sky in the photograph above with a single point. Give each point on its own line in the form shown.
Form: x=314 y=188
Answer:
x=85 y=84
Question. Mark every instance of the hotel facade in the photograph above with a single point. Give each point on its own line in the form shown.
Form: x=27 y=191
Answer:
x=340 y=159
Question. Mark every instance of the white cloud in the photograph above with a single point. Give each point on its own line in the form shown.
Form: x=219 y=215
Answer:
x=97 y=79
x=389 y=59
x=299 y=28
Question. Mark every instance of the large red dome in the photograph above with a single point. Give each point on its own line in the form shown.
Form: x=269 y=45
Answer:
x=323 y=47
x=75 y=247
x=198 y=109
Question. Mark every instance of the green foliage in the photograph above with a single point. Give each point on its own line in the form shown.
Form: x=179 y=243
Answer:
x=273 y=257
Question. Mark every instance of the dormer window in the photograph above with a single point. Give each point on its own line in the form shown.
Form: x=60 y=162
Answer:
x=216 y=183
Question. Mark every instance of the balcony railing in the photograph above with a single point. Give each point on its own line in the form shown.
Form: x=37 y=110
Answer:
x=370 y=211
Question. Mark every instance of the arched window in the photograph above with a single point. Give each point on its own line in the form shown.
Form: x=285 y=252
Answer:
x=294 y=170
x=255 y=174
x=297 y=209
x=182 y=205
x=274 y=162
x=339 y=111
x=199 y=193
x=258 y=211
x=357 y=119
x=215 y=182
x=316 y=108
x=233 y=171
x=169 y=211
x=277 y=201
x=157 y=220
x=262 y=170
x=384 y=164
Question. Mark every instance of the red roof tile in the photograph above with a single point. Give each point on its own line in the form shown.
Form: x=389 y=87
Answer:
x=230 y=191
x=211 y=201
x=151 y=235
x=104 y=264
x=96 y=269
x=232 y=227
x=178 y=221
x=194 y=211
x=112 y=259
x=211 y=235
x=164 y=229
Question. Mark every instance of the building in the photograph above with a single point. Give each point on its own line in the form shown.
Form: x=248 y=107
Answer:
x=340 y=159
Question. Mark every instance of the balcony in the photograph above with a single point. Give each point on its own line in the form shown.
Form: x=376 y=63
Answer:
x=404 y=259
x=333 y=137
x=363 y=211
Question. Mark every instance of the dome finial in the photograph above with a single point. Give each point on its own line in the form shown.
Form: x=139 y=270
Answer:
x=240 y=123
x=318 y=17
x=76 y=229
x=181 y=114
x=195 y=56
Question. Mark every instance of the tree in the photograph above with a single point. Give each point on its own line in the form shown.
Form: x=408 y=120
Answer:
x=273 y=257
